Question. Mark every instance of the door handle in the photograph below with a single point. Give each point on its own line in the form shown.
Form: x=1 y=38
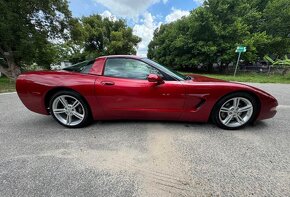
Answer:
x=108 y=83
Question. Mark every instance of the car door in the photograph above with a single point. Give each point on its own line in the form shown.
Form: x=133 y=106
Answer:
x=124 y=92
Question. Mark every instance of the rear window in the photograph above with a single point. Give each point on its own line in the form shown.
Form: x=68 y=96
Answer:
x=82 y=67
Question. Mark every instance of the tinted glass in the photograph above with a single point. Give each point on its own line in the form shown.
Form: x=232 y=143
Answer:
x=82 y=67
x=128 y=68
x=164 y=69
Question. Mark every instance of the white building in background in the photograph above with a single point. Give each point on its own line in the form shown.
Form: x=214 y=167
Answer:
x=60 y=65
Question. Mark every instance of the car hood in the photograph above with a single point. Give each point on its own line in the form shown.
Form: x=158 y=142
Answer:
x=200 y=78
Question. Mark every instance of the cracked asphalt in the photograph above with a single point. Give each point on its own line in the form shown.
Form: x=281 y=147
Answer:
x=39 y=157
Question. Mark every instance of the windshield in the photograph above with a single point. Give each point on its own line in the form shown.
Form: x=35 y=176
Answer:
x=169 y=71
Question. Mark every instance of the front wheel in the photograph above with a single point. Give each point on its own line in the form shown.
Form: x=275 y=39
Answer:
x=69 y=109
x=235 y=111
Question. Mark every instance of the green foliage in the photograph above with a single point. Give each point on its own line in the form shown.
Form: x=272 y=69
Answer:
x=211 y=33
x=37 y=33
x=94 y=36
x=268 y=59
x=282 y=62
x=254 y=78
x=6 y=85
x=25 y=30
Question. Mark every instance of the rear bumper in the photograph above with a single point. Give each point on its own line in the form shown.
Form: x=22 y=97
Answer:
x=32 y=98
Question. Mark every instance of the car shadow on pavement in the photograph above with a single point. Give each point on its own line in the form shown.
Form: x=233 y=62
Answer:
x=47 y=122
x=259 y=125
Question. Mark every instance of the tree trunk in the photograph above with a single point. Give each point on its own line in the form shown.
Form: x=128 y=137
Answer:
x=13 y=70
x=269 y=68
x=209 y=68
x=285 y=71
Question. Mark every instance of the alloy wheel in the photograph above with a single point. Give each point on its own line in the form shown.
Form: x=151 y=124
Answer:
x=236 y=112
x=68 y=110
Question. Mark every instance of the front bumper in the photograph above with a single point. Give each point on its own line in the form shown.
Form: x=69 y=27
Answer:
x=268 y=108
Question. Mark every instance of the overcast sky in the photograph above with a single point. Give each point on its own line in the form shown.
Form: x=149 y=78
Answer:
x=142 y=15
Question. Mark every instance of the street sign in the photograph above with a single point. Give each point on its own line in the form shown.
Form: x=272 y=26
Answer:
x=241 y=49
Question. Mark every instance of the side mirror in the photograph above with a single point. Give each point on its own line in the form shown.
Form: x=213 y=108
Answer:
x=155 y=79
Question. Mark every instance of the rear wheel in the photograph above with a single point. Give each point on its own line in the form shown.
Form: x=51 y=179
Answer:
x=69 y=109
x=235 y=111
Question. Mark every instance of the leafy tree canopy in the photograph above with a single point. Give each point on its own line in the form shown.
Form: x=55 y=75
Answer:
x=34 y=32
x=211 y=33
x=26 y=28
x=94 y=36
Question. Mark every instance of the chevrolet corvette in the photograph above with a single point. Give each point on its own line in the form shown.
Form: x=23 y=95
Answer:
x=131 y=87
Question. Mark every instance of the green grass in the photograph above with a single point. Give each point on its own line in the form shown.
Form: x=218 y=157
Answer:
x=253 y=77
x=6 y=85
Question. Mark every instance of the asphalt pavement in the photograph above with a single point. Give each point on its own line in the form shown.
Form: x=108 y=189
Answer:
x=39 y=157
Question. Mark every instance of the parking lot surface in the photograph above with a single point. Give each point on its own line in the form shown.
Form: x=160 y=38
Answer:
x=39 y=157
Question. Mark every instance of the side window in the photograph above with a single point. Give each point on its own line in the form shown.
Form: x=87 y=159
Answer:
x=128 y=68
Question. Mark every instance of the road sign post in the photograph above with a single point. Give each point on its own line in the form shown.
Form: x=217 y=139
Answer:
x=240 y=49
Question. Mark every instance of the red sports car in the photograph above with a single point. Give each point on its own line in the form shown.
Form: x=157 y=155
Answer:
x=130 y=87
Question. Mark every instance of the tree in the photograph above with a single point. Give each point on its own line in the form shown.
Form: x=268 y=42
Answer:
x=211 y=33
x=94 y=36
x=26 y=31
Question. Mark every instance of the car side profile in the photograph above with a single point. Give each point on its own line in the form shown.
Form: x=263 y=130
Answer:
x=131 y=87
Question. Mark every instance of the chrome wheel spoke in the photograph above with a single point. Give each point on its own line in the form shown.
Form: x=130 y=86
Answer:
x=75 y=104
x=245 y=109
x=68 y=119
x=236 y=102
x=226 y=110
x=240 y=119
x=78 y=115
x=227 y=120
x=59 y=111
x=63 y=101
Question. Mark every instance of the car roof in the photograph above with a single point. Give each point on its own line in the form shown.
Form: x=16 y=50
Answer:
x=125 y=56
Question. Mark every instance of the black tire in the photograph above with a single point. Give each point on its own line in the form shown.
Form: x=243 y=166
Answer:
x=83 y=104
x=215 y=115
